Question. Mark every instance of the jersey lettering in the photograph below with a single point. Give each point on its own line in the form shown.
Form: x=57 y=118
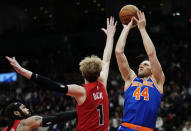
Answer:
x=98 y=95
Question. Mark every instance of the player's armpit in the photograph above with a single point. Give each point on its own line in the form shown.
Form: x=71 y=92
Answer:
x=131 y=75
x=129 y=79
x=157 y=71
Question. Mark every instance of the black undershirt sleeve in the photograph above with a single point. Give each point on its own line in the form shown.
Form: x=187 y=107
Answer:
x=61 y=117
x=49 y=84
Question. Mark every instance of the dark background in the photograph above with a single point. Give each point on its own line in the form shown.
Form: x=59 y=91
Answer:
x=52 y=36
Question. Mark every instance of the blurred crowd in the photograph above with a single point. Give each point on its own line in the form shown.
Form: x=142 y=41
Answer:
x=175 y=109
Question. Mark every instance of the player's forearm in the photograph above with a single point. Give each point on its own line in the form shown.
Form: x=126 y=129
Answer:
x=108 y=49
x=49 y=84
x=26 y=73
x=148 y=44
x=122 y=40
x=61 y=117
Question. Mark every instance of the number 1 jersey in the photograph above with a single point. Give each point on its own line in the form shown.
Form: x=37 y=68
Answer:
x=93 y=114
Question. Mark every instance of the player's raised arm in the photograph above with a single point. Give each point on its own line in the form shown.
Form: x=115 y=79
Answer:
x=122 y=62
x=150 y=49
x=19 y=69
x=110 y=32
x=71 y=90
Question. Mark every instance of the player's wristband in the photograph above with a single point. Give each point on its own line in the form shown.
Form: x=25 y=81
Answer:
x=49 y=84
x=61 y=117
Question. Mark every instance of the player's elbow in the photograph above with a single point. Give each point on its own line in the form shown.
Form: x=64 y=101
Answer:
x=151 y=54
x=118 y=52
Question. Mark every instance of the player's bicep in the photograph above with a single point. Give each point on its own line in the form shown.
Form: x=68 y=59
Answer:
x=33 y=122
x=75 y=90
x=157 y=69
x=123 y=65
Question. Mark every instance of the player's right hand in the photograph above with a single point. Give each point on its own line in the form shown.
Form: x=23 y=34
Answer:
x=111 y=27
x=130 y=25
x=141 y=21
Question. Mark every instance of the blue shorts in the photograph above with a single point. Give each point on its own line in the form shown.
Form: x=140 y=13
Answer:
x=124 y=128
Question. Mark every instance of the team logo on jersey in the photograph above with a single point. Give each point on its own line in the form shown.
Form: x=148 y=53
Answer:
x=145 y=83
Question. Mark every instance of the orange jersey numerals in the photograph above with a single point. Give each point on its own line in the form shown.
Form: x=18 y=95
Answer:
x=145 y=93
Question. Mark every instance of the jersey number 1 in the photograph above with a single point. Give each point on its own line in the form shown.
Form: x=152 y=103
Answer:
x=145 y=93
x=100 y=109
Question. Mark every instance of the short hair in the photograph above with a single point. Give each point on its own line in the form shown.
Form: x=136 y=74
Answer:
x=91 y=66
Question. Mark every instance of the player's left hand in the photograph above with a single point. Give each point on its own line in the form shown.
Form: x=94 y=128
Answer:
x=141 y=21
x=111 y=27
x=13 y=62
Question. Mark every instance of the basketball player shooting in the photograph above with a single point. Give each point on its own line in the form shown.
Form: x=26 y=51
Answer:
x=143 y=92
x=92 y=100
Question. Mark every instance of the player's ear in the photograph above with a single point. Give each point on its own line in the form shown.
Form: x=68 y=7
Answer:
x=83 y=74
x=17 y=113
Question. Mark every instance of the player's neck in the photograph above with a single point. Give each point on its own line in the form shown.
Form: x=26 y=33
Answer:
x=145 y=78
x=87 y=82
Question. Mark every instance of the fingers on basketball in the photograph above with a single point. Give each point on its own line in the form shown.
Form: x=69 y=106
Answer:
x=126 y=14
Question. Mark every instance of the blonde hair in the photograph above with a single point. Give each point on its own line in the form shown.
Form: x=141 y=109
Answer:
x=91 y=67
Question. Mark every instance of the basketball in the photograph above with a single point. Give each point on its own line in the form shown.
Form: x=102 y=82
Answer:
x=126 y=13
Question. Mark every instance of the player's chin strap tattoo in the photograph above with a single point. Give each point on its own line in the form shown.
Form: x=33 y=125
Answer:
x=49 y=84
x=64 y=116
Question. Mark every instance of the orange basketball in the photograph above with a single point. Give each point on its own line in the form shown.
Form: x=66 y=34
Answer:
x=126 y=13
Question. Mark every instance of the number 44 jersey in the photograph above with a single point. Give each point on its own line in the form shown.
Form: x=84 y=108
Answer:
x=142 y=100
x=93 y=114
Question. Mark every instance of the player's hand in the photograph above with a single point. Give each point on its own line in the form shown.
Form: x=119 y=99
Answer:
x=130 y=25
x=111 y=27
x=13 y=62
x=141 y=21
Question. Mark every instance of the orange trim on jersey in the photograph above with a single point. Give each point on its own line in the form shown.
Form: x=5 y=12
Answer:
x=155 y=83
x=136 y=127
x=130 y=83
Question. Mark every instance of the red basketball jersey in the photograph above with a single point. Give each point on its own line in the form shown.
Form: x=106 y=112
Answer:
x=93 y=114
x=14 y=127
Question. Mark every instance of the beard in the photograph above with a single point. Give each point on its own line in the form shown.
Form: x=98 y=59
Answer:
x=143 y=74
x=25 y=115
x=29 y=114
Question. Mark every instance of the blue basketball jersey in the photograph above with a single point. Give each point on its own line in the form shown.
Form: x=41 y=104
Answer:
x=142 y=100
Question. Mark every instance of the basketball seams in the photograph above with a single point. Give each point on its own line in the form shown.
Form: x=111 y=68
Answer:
x=130 y=11
x=127 y=12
